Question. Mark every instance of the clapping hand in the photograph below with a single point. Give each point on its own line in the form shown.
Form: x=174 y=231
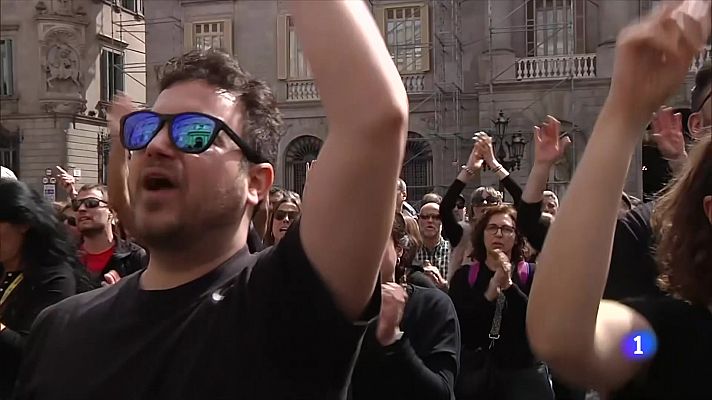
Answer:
x=433 y=273
x=393 y=299
x=502 y=278
x=549 y=147
x=667 y=133
x=483 y=144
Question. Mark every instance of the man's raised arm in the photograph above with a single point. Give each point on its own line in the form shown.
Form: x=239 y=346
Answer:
x=349 y=204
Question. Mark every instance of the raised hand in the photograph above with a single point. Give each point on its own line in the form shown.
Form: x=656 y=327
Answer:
x=653 y=57
x=667 y=133
x=484 y=148
x=474 y=161
x=121 y=106
x=67 y=181
x=393 y=299
x=548 y=146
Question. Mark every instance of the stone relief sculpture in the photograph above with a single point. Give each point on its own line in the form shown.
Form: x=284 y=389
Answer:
x=62 y=68
x=63 y=7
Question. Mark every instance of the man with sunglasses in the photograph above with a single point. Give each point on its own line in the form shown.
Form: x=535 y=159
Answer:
x=434 y=255
x=106 y=257
x=206 y=319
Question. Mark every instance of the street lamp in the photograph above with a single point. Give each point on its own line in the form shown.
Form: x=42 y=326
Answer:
x=509 y=153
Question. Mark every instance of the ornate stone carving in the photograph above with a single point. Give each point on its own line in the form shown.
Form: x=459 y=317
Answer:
x=63 y=7
x=62 y=68
x=62 y=61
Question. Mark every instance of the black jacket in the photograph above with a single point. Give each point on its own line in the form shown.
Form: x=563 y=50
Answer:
x=36 y=292
x=128 y=258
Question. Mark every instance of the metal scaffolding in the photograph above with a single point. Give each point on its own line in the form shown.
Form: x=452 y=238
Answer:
x=555 y=36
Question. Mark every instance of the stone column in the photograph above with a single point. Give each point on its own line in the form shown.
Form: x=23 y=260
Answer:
x=612 y=17
x=501 y=57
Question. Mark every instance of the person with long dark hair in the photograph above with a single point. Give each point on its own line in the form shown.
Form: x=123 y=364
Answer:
x=35 y=270
x=283 y=214
x=650 y=347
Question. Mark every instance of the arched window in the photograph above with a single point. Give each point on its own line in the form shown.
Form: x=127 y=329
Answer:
x=300 y=151
x=417 y=171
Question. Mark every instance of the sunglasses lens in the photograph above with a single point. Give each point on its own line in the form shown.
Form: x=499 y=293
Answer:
x=139 y=129
x=192 y=133
x=91 y=203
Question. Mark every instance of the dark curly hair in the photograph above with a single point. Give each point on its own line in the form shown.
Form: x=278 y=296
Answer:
x=263 y=120
x=46 y=242
x=479 y=251
x=683 y=252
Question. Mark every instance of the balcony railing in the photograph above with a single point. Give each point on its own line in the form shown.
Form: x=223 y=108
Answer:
x=579 y=66
x=305 y=90
x=302 y=91
x=414 y=83
x=700 y=58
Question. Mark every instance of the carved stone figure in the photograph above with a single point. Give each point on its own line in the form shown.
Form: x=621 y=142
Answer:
x=62 y=68
x=63 y=7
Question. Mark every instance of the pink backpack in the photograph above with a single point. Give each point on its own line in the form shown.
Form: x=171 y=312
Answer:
x=524 y=270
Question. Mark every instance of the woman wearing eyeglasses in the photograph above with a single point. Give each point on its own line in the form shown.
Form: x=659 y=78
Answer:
x=37 y=269
x=490 y=297
x=284 y=213
x=482 y=197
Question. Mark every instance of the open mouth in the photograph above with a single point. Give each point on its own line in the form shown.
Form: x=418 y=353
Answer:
x=284 y=229
x=82 y=219
x=154 y=182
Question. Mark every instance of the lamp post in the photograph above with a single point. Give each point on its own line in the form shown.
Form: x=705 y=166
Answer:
x=509 y=153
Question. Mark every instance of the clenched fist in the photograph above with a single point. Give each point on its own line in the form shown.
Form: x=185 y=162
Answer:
x=393 y=299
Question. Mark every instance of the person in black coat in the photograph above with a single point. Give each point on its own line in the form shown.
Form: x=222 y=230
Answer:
x=412 y=351
x=37 y=269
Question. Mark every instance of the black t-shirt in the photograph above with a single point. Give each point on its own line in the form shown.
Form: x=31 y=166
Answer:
x=682 y=366
x=633 y=271
x=260 y=326
x=423 y=364
x=475 y=313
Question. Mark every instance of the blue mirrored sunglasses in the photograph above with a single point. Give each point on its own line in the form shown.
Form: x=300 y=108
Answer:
x=190 y=132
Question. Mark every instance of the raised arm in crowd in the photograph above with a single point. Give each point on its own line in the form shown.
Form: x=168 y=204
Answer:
x=569 y=326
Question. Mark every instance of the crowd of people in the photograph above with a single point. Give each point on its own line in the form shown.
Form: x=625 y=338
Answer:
x=191 y=277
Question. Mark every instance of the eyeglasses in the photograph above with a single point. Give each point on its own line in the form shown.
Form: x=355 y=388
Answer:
x=434 y=217
x=190 y=132
x=279 y=215
x=494 y=229
x=89 y=202
x=487 y=201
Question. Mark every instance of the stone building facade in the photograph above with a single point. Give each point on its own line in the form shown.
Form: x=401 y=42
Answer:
x=62 y=61
x=462 y=61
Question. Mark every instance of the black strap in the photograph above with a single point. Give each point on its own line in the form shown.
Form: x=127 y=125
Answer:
x=497 y=319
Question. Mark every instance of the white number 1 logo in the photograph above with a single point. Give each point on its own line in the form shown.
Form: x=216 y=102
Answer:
x=638 y=341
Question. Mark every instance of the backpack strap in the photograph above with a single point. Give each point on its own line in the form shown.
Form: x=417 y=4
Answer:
x=523 y=271
x=474 y=271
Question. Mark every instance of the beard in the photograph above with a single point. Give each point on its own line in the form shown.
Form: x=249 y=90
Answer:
x=186 y=227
